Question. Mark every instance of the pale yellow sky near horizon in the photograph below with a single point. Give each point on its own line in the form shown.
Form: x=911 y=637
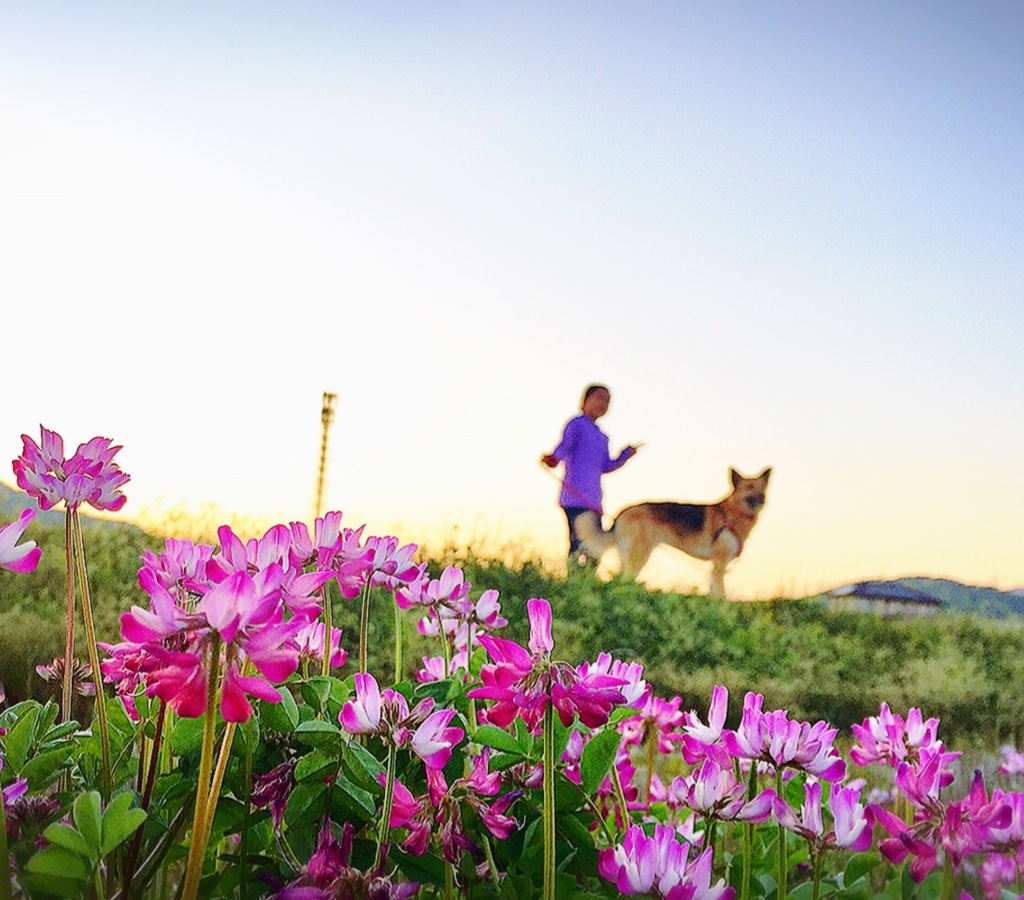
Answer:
x=784 y=235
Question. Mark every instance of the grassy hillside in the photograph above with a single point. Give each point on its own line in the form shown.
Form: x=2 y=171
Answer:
x=818 y=664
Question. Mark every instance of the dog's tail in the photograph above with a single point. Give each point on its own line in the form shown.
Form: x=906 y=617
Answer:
x=595 y=539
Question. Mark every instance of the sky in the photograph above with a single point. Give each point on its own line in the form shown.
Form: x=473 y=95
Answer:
x=786 y=234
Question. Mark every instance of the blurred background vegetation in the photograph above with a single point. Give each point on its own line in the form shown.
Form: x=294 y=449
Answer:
x=819 y=664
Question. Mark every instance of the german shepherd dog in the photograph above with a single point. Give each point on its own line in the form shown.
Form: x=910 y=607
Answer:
x=715 y=531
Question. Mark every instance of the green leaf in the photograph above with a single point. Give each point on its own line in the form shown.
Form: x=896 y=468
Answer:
x=280 y=717
x=860 y=866
x=597 y=759
x=19 y=739
x=55 y=885
x=498 y=739
x=88 y=818
x=43 y=769
x=318 y=733
x=59 y=861
x=306 y=802
x=187 y=736
x=317 y=764
x=63 y=835
x=362 y=767
x=316 y=692
x=120 y=821
x=352 y=799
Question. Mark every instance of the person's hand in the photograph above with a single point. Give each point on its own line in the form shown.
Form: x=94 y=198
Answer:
x=550 y=460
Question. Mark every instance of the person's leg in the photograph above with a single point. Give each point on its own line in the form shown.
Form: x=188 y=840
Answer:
x=578 y=558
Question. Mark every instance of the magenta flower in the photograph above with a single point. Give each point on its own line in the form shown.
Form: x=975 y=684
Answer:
x=386 y=713
x=659 y=866
x=90 y=476
x=714 y=791
x=973 y=825
x=242 y=616
x=310 y=641
x=18 y=557
x=1013 y=761
x=890 y=739
x=433 y=740
x=698 y=736
x=782 y=743
x=851 y=825
x=522 y=683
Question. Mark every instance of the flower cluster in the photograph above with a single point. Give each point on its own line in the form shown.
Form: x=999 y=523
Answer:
x=89 y=476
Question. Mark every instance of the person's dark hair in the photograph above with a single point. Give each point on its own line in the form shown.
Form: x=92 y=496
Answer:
x=592 y=389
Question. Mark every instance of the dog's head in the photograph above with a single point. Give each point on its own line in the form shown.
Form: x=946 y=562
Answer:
x=748 y=493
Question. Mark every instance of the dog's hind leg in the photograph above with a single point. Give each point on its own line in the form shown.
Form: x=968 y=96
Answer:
x=634 y=550
x=717 y=588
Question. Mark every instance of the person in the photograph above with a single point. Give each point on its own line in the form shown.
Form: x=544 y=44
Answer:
x=584 y=450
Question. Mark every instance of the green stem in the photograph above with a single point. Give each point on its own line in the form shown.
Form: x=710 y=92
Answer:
x=446 y=650
x=818 y=860
x=5 y=864
x=69 y=637
x=489 y=854
x=748 y=831
x=197 y=848
x=328 y=629
x=947 y=879
x=398 y=644
x=783 y=890
x=389 y=796
x=364 y=626
x=652 y=746
x=620 y=797
x=94 y=657
x=549 y=801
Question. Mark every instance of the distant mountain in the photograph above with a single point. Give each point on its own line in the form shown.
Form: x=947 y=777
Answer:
x=960 y=598
x=13 y=501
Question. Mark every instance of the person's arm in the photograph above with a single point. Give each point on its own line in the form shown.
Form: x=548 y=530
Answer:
x=564 y=447
x=625 y=454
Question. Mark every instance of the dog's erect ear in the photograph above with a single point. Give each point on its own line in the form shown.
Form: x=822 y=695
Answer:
x=736 y=478
x=765 y=474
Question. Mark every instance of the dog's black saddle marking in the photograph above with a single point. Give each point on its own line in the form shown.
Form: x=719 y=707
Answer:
x=681 y=516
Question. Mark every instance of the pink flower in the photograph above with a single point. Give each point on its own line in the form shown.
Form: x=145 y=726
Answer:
x=362 y=715
x=1013 y=761
x=714 y=791
x=433 y=740
x=90 y=476
x=18 y=557
x=522 y=683
x=659 y=866
x=775 y=739
x=890 y=739
x=851 y=826
x=697 y=735
x=242 y=615
x=310 y=641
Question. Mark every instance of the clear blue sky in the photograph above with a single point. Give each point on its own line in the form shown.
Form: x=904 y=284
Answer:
x=786 y=234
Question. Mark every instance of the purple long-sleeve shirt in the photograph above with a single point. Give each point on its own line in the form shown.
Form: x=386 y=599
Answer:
x=584 y=450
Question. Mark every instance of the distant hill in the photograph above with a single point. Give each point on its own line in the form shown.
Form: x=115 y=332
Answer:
x=13 y=501
x=962 y=598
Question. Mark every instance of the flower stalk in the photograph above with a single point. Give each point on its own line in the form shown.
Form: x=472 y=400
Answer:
x=94 y=659
x=197 y=849
x=69 y=637
x=5 y=866
x=389 y=799
x=549 y=802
